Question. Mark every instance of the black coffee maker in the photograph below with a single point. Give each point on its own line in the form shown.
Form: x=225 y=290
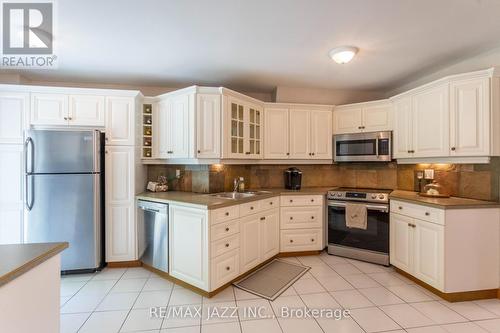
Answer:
x=293 y=178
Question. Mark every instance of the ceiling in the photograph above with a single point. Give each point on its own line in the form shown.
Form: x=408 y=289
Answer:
x=260 y=44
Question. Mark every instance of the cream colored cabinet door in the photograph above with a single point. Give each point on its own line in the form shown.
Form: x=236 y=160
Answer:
x=162 y=138
x=179 y=127
x=269 y=234
x=235 y=128
x=208 y=126
x=11 y=193
x=321 y=135
x=253 y=141
x=188 y=248
x=402 y=134
x=300 y=134
x=13 y=113
x=348 y=120
x=49 y=109
x=470 y=117
x=428 y=240
x=250 y=242
x=276 y=138
x=431 y=122
x=400 y=242
x=120 y=206
x=86 y=110
x=120 y=120
x=377 y=117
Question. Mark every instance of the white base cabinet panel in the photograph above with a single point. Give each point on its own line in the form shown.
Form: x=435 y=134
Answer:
x=428 y=243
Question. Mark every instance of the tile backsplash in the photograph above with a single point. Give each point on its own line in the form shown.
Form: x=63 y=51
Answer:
x=478 y=181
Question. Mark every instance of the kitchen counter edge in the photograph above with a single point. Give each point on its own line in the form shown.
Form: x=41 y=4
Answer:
x=442 y=203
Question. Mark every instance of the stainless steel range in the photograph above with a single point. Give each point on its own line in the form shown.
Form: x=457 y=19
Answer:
x=370 y=245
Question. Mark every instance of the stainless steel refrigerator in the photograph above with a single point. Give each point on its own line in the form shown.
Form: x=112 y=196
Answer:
x=63 y=194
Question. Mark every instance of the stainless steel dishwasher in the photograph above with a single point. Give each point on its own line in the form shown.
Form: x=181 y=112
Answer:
x=153 y=234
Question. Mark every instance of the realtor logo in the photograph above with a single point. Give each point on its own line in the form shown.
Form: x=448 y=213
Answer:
x=28 y=34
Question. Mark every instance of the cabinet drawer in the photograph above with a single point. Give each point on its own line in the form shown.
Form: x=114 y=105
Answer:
x=224 y=245
x=224 y=229
x=420 y=212
x=225 y=214
x=225 y=268
x=300 y=240
x=301 y=200
x=250 y=208
x=270 y=203
x=301 y=217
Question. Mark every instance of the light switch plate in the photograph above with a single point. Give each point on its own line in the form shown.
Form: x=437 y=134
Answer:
x=429 y=173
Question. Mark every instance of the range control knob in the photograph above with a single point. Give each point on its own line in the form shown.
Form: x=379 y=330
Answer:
x=381 y=196
x=374 y=196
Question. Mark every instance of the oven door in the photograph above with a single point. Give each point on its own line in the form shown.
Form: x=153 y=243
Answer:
x=363 y=147
x=374 y=238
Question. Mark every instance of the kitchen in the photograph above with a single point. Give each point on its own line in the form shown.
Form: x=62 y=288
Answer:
x=121 y=202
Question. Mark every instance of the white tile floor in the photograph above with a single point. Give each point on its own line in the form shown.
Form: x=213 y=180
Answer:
x=379 y=300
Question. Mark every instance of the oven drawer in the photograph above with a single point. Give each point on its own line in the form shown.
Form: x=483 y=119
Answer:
x=301 y=217
x=301 y=200
x=420 y=212
x=293 y=240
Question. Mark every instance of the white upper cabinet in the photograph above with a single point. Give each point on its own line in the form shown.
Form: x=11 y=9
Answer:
x=13 y=111
x=402 y=128
x=362 y=117
x=300 y=134
x=208 y=125
x=321 y=135
x=86 y=110
x=348 y=119
x=120 y=121
x=431 y=119
x=276 y=138
x=243 y=129
x=49 y=109
x=470 y=117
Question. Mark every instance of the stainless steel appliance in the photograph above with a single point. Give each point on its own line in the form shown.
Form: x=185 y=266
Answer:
x=293 y=178
x=363 y=147
x=153 y=234
x=370 y=245
x=63 y=196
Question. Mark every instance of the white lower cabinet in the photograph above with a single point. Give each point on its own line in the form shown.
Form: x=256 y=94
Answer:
x=434 y=245
x=301 y=223
x=189 y=245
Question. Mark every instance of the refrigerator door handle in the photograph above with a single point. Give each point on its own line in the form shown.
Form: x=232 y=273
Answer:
x=97 y=150
x=27 y=143
x=30 y=198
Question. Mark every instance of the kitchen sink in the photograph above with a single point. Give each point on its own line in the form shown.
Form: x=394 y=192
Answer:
x=238 y=195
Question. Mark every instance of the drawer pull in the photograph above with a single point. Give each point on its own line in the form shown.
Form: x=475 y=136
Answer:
x=312 y=217
x=227 y=244
x=400 y=208
x=227 y=229
x=251 y=208
x=291 y=240
x=312 y=200
x=65 y=118
x=271 y=203
x=291 y=217
x=227 y=214
x=291 y=200
x=312 y=239
x=427 y=213
x=228 y=268
x=262 y=218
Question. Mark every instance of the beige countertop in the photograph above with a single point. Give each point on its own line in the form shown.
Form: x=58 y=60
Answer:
x=17 y=259
x=443 y=203
x=209 y=201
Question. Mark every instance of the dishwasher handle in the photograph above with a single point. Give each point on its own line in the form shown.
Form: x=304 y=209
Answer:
x=153 y=207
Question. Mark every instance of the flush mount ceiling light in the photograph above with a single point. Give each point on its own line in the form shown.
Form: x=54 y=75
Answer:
x=343 y=54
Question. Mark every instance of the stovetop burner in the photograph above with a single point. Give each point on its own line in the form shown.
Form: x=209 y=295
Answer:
x=359 y=194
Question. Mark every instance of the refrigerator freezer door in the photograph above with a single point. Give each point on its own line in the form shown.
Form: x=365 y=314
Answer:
x=60 y=151
x=66 y=208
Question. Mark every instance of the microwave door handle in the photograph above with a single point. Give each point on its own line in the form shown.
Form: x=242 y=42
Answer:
x=376 y=146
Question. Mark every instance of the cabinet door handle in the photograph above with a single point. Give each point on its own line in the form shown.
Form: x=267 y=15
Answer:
x=70 y=118
x=247 y=153
x=262 y=218
x=291 y=240
x=251 y=207
x=271 y=203
x=199 y=151
x=453 y=148
x=312 y=239
x=291 y=217
x=312 y=154
x=427 y=213
x=227 y=229
x=65 y=118
x=400 y=208
x=312 y=200
x=106 y=151
x=227 y=244
x=291 y=200
x=287 y=154
x=227 y=214
x=228 y=268
x=312 y=217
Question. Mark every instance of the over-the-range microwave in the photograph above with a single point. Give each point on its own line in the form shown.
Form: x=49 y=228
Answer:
x=363 y=147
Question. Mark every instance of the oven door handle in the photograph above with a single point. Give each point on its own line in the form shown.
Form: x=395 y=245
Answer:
x=381 y=208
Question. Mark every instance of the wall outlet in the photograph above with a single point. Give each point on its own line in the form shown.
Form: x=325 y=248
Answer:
x=429 y=174
x=177 y=173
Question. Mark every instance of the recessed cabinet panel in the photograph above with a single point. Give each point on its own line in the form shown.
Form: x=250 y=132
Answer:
x=13 y=112
x=400 y=242
x=276 y=144
x=49 y=109
x=208 y=125
x=120 y=233
x=431 y=116
x=119 y=163
x=429 y=253
x=120 y=121
x=403 y=128
x=86 y=110
x=300 y=134
x=348 y=120
x=321 y=135
x=250 y=242
x=377 y=117
x=269 y=234
x=469 y=118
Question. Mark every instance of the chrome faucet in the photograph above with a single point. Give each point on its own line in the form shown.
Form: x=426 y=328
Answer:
x=236 y=183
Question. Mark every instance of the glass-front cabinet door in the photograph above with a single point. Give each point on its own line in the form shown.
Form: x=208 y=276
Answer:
x=245 y=122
